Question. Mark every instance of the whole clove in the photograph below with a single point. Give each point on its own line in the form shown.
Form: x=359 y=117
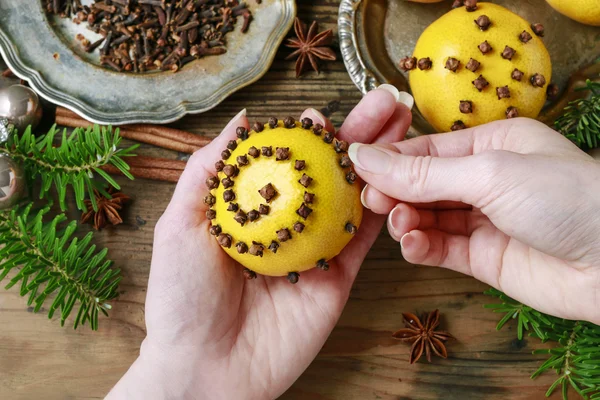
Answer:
x=248 y=274
x=307 y=123
x=304 y=211
x=483 y=22
x=268 y=192
x=408 y=63
x=341 y=146
x=318 y=129
x=242 y=160
x=256 y=249
x=345 y=162
x=485 y=47
x=466 y=106
x=512 y=112
x=517 y=75
x=351 y=228
x=241 y=133
x=328 y=138
x=228 y=196
x=229 y=170
x=232 y=145
x=225 y=154
x=323 y=265
x=298 y=227
x=173 y=32
x=273 y=122
x=282 y=153
x=283 y=235
x=424 y=63
x=233 y=207
x=508 y=53
x=264 y=209
x=254 y=152
x=289 y=122
x=452 y=64
x=293 y=277
x=215 y=230
x=537 y=80
x=458 y=3
x=457 y=126
x=471 y=5
x=309 y=197
x=224 y=240
x=212 y=182
x=211 y=214
x=503 y=92
x=473 y=65
x=525 y=37
x=305 y=180
x=480 y=83
x=351 y=177
x=267 y=151
x=258 y=126
x=552 y=91
x=538 y=29
x=209 y=200
x=253 y=215
x=274 y=246
x=240 y=217
x=227 y=182
x=299 y=165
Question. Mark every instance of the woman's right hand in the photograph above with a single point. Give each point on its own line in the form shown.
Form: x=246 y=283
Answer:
x=512 y=203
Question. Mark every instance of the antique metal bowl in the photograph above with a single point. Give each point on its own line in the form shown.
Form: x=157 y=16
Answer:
x=376 y=34
x=43 y=50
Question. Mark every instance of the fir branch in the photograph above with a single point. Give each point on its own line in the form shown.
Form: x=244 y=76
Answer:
x=576 y=356
x=581 y=121
x=53 y=262
x=75 y=162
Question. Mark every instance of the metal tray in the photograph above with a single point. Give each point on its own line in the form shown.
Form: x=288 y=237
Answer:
x=43 y=50
x=376 y=34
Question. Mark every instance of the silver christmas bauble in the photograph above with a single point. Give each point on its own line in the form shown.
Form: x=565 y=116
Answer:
x=12 y=182
x=20 y=106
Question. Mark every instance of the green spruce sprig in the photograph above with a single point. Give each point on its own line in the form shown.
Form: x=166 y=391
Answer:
x=581 y=121
x=50 y=261
x=75 y=162
x=576 y=356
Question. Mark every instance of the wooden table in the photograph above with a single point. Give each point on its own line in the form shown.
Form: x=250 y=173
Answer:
x=41 y=360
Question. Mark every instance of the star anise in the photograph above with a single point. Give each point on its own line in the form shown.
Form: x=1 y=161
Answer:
x=108 y=209
x=423 y=336
x=311 y=46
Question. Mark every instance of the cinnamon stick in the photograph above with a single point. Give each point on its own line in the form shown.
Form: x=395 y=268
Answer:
x=153 y=162
x=157 y=174
x=133 y=135
x=162 y=131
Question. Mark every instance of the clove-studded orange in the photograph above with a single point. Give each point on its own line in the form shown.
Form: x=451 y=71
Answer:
x=478 y=63
x=286 y=199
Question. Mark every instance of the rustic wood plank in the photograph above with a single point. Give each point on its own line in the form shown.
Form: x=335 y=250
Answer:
x=38 y=359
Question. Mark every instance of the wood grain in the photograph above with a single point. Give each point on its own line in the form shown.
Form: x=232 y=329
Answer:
x=41 y=360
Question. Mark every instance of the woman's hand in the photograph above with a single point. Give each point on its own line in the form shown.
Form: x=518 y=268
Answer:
x=512 y=203
x=211 y=333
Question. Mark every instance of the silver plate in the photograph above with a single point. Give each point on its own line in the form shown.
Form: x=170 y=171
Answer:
x=376 y=34
x=43 y=51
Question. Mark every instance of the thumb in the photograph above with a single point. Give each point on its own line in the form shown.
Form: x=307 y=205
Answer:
x=422 y=179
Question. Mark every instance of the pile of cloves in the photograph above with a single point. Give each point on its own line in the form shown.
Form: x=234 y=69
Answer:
x=145 y=35
x=269 y=192
x=483 y=22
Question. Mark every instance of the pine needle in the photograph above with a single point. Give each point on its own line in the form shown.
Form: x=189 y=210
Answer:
x=51 y=262
x=581 y=121
x=576 y=355
x=75 y=162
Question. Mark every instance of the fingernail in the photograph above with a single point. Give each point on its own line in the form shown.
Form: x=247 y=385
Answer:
x=391 y=226
x=369 y=158
x=236 y=118
x=406 y=241
x=406 y=99
x=320 y=117
x=391 y=89
x=362 y=197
